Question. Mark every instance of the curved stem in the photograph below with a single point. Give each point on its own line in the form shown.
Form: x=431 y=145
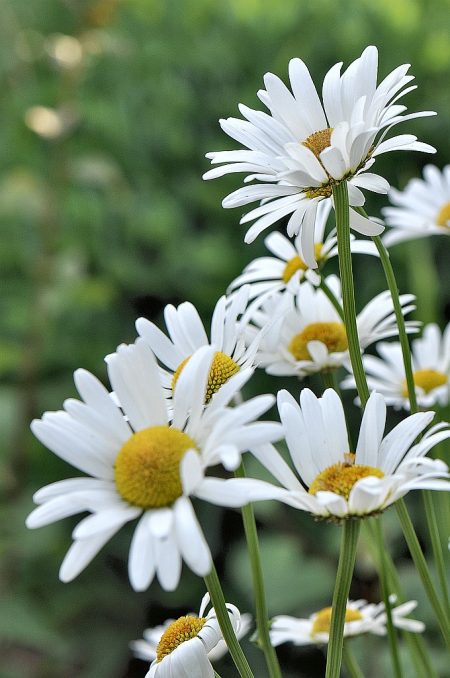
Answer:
x=251 y=536
x=341 y=206
x=218 y=601
x=327 y=291
x=435 y=537
x=347 y=556
x=422 y=568
x=392 y=636
x=350 y=662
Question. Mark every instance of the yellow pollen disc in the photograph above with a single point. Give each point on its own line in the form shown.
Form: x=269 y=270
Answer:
x=178 y=632
x=297 y=264
x=147 y=467
x=319 y=141
x=333 y=335
x=426 y=380
x=340 y=478
x=443 y=216
x=223 y=367
x=322 y=619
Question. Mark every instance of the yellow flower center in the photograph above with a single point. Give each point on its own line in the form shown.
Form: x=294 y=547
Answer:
x=147 y=468
x=340 y=478
x=223 y=367
x=297 y=264
x=333 y=335
x=319 y=141
x=443 y=216
x=178 y=632
x=322 y=620
x=427 y=380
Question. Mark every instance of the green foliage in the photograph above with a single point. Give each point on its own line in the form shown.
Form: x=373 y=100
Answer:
x=104 y=216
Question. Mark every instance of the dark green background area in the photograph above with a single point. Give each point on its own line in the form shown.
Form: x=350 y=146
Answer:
x=111 y=220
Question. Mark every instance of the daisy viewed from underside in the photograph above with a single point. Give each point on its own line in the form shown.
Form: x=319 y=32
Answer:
x=147 y=647
x=145 y=459
x=360 y=617
x=185 y=646
x=310 y=336
x=345 y=483
x=286 y=269
x=430 y=355
x=187 y=334
x=300 y=149
x=421 y=209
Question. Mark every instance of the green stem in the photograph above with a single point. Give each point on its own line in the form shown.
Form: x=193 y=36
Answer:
x=347 y=556
x=262 y=624
x=218 y=601
x=341 y=206
x=327 y=291
x=422 y=568
x=350 y=662
x=436 y=544
x=329 y=379
x=419 y=653
x=392 y=636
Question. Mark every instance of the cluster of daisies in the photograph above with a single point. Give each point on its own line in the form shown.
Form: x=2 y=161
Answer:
x=173 y=409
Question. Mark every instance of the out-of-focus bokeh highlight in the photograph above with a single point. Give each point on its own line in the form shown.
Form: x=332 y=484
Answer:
x=107 y=109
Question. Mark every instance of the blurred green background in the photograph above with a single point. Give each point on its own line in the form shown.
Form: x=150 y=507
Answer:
x=107 y=109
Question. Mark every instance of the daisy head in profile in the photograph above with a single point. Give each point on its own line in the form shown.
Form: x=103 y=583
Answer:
x=285 y=270
x=302 y=147
x=430 y=355
x=421 y=209
x=310 y=335
x=145 y=459
x=187 y=645
x=337 y=482
x=186 y=333
x=146 y=648
x=360 y=617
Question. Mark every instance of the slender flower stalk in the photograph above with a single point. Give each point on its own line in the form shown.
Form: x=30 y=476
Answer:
x=349 y=541
x=251 y=536
x=329 y=293
x=392 y=636
x=422 y=568
x=350 y=663
x=218 y=600
x=340 y=194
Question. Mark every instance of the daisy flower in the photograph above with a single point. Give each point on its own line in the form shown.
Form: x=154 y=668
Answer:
x=310 y=335
x=146 y=648
x=360 y=617
x=343 y=484
x=421 y=209
x=286 y=270
x=185 y=646
x=300 y=149
x=187 y=334
x=142 y=464
x=431 y=370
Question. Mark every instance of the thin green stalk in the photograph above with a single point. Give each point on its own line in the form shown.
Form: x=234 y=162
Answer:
x=422 y=568
x=341 y=206
x=327 y=291
x=262 y=624
x=216 y=675
x=350 y=662
x=415 y=641
x=347 y=556
x=329 y=379
x=436 y=543
x=392 y=636
x=217 y=598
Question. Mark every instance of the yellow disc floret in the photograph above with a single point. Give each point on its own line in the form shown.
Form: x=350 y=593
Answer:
x=297 y=264
x=184 y=628
x=319 y=141
x=333 y=335
x=147 y=467
x=340 y=478
x=322 y=619
x=443 y=216
x=427 y=380
x=222 y=368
